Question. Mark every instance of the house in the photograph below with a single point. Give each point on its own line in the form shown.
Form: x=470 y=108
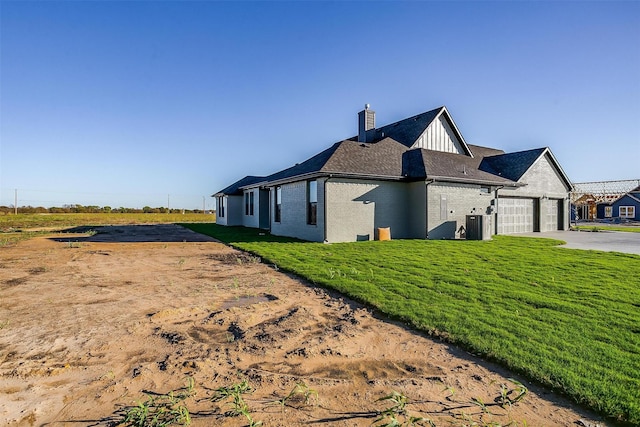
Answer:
x=585 y=208
x=418 y=176
x=625 y=208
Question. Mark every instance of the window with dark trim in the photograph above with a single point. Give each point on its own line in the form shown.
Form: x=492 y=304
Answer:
x=248 y=203
x=312 y=202
x=221 y=202
x=278 y=205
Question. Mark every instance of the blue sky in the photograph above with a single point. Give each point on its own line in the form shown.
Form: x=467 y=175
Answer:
x=126 y=103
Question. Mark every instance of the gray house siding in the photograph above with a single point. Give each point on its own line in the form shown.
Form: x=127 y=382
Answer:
x=357 y=208
x=544 y=184
x=293 y=220
x=233 y=211
x=251 y=219
x=449 y=204
x=417 y=209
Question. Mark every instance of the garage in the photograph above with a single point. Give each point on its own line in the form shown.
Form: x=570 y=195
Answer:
x=516 y=215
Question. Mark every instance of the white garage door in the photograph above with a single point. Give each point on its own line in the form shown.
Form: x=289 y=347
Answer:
x=551 y=222
x=515 y=216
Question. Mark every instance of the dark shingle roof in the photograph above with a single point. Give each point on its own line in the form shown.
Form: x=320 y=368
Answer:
x=407 y=131
x=459 y=168
x=235 y=187
x=513 y=165
x=391 y=157
x=382 y=159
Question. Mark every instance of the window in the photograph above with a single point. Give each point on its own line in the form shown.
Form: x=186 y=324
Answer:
x=627 y=211
x=312 y=202
x=608 y=211
x=248 y=203
x=485 y=190
x=278 y=205
x=221 y=203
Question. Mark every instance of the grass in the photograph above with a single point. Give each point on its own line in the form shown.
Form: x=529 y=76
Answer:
x=27 y=221
x=628 y=228
x=568 y=319
x=14 y=228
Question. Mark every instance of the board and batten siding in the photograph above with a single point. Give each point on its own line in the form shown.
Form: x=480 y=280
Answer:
x=293 y=217
x=439 y=136
x=357 y=208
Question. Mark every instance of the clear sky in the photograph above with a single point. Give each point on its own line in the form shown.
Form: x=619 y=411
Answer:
x=126 y=103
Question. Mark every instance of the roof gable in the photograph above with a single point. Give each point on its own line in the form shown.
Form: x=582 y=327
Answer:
x=626 y=198
x=442 y=135
x=514 y=166
x=432 y=130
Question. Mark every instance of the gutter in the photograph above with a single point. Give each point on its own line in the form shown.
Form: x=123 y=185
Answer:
x=477 y=181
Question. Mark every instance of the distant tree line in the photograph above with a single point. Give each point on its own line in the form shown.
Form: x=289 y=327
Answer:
x=4 y=210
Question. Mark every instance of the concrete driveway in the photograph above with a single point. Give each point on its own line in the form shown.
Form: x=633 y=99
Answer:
x=609 y=241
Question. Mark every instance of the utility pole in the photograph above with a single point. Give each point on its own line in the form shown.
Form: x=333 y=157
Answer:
x=15 y=202
x=168 y=203
x=203 y=206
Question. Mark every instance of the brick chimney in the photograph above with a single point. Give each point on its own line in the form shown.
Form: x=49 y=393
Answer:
x=366 y=124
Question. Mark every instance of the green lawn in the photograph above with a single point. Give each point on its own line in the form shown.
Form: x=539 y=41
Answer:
x=14 y=228
x=568 y=319
x=626 y=228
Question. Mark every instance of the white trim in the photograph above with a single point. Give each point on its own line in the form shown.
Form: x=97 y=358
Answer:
x=630 y=211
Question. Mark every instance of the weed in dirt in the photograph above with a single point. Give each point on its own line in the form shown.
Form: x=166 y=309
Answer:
x=238 y=405
x=479 y=403
x=4 y=324
x=506 y=399
x=397 y=415
x=161 y=410
x=300 y=393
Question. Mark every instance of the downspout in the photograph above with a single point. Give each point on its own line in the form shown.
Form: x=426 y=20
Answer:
x=426 y=206
x=496 y=199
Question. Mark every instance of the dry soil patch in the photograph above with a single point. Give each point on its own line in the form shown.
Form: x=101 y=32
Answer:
x=89 y=322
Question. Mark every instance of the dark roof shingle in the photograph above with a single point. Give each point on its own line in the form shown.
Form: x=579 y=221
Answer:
x=235 y=187
x=512 y=165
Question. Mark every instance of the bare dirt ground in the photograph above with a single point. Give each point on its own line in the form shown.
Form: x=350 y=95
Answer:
x=90 y=322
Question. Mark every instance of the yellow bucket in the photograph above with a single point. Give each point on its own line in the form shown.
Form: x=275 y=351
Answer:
x=384 y=233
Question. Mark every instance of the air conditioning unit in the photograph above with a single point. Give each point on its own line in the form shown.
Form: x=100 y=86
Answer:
x=478 y=227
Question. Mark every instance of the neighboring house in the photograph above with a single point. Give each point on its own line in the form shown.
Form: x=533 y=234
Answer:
x=418 y=176
x=627 y=207
x=585 y=208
